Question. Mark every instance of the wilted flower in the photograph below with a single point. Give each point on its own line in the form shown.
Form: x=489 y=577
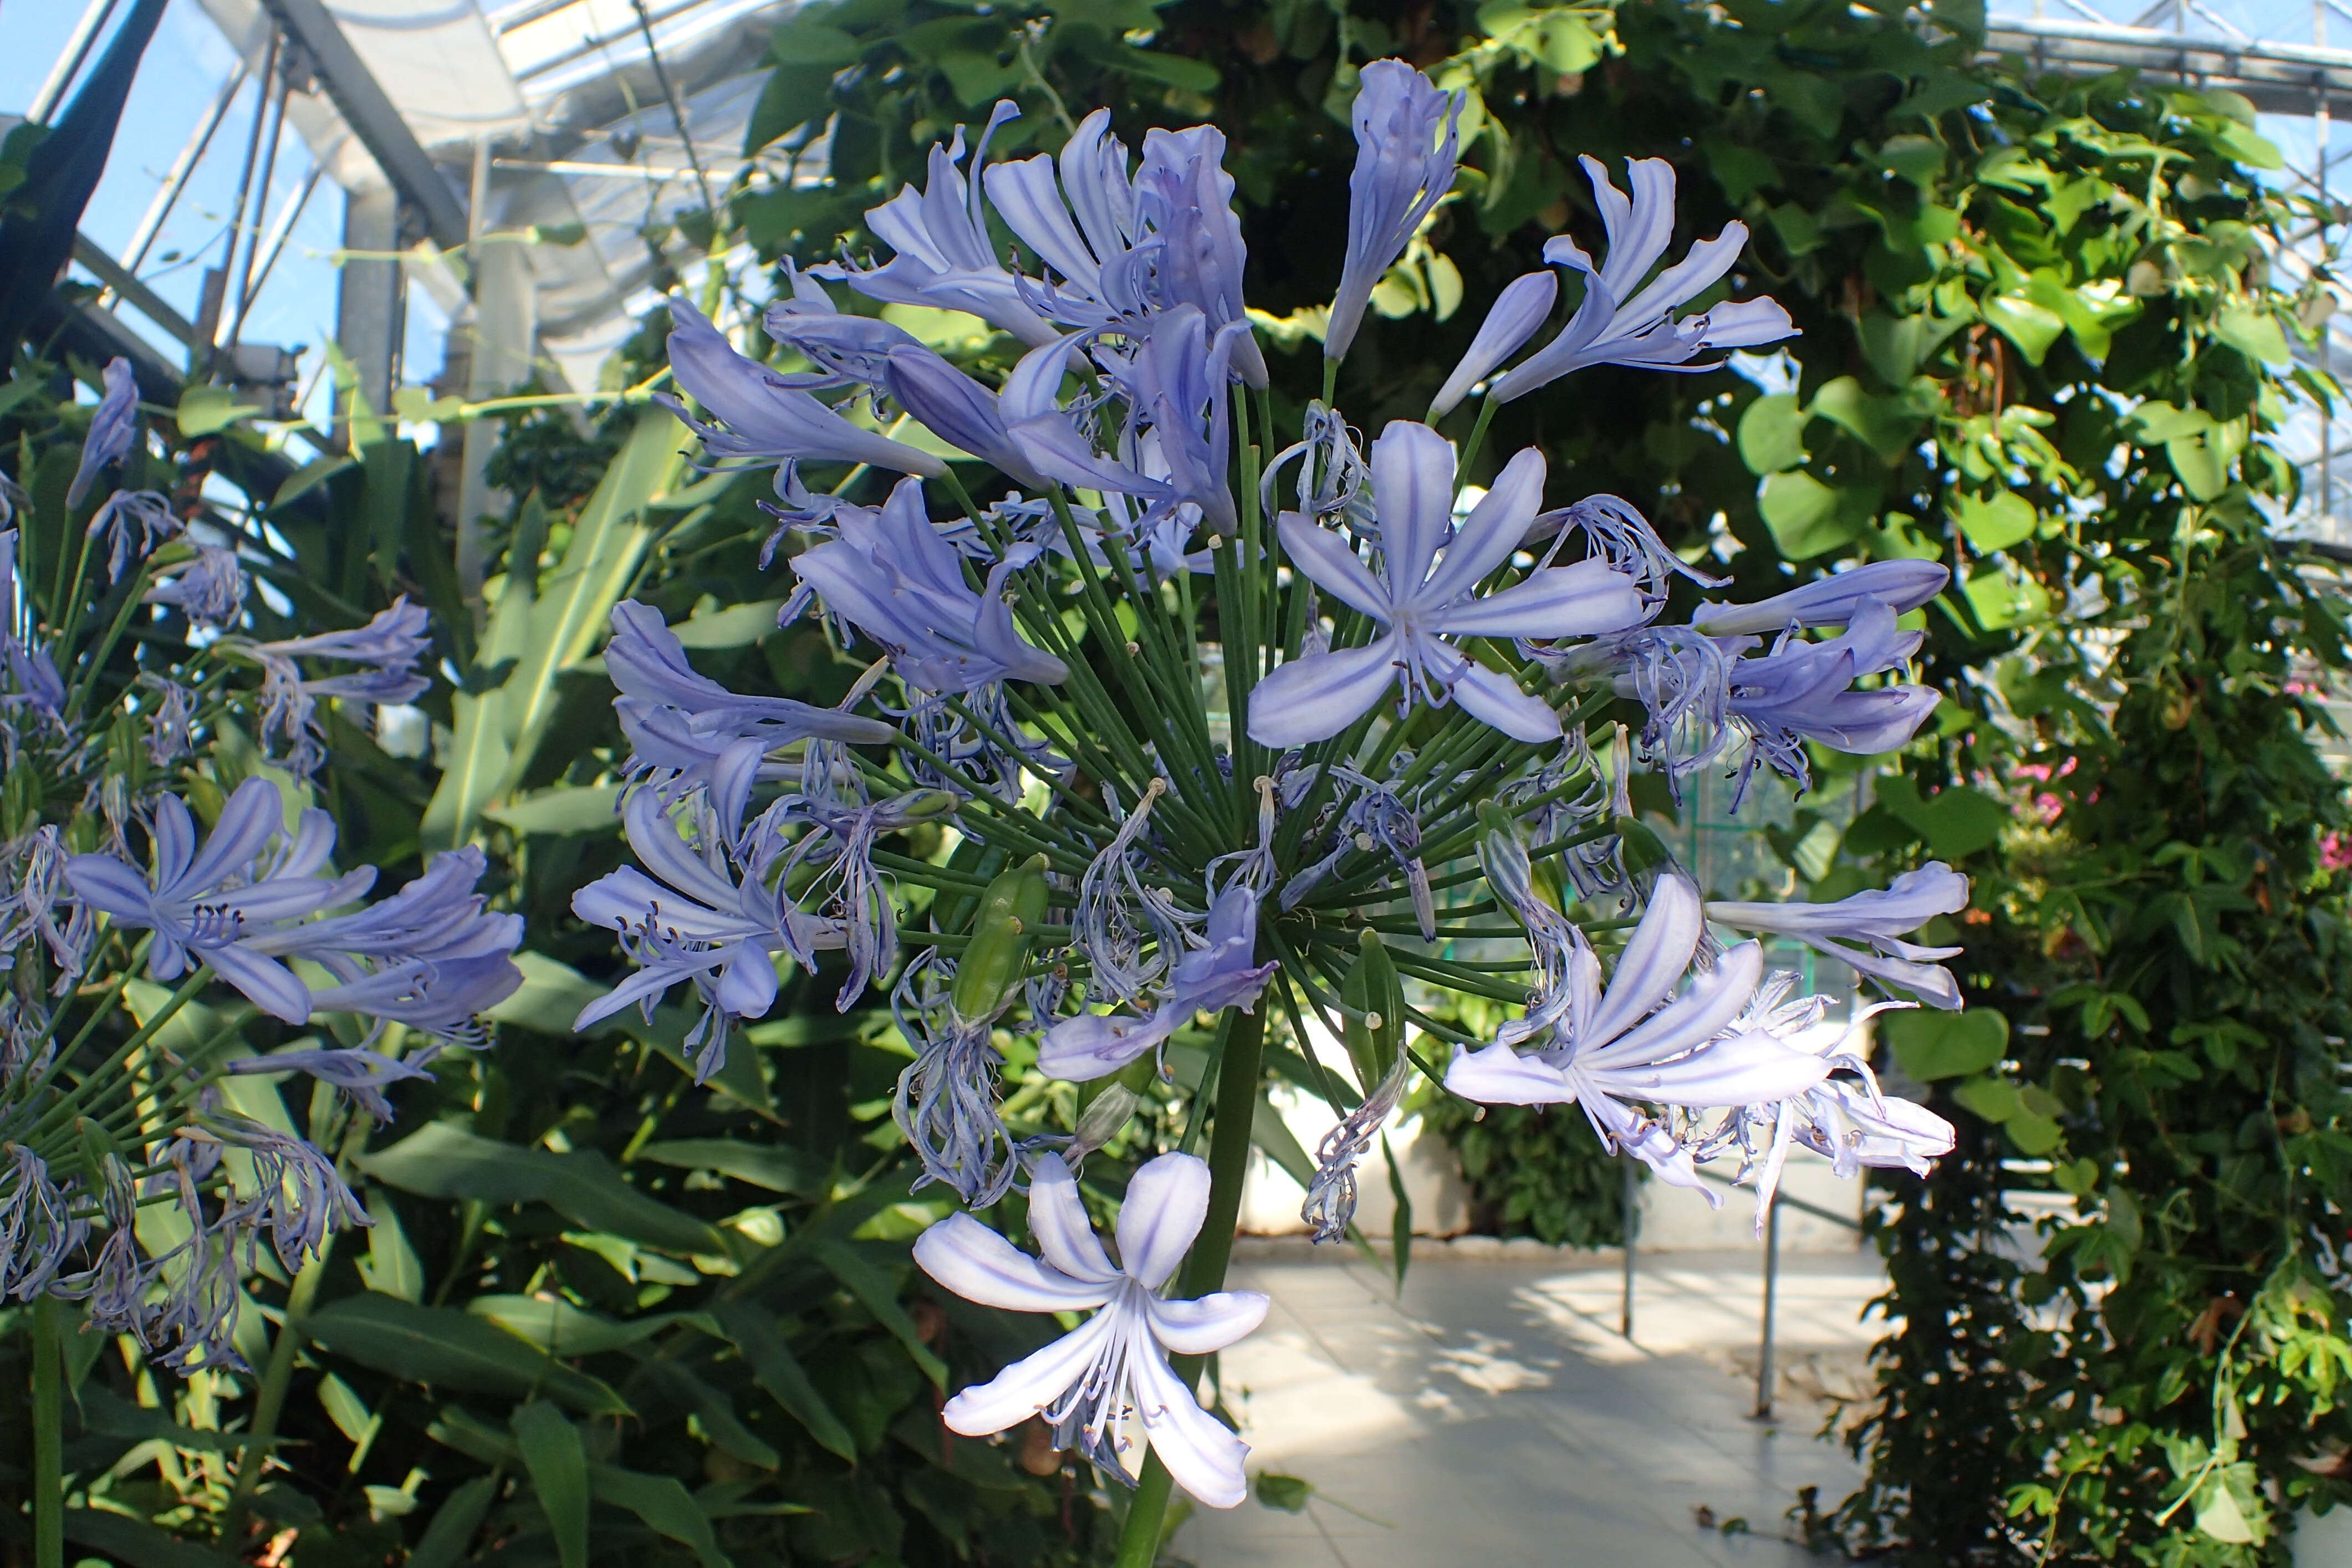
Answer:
x=1209 y=980
x=145 y=513
x=208 y=588
x=1106 y=1388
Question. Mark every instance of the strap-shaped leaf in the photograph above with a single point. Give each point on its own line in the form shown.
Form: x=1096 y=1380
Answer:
x=665 y=1506
x=442 y=1160
x=455 y=1525
x=776 y=1166
x=868 y=1284
x=776 y=1369
x=566 y=1331
x=712 y=1408
x=450 y=1349
x=558 y=1464
x=135 y=1542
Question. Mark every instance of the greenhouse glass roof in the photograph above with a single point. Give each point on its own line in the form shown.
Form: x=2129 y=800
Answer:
x=318 y=160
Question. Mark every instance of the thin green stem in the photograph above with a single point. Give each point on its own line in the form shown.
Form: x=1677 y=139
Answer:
x=270 y=1401
x=1239 y=1065
x=48 y=1433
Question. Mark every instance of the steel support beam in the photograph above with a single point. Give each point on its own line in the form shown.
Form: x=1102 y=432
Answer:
x=2277 y=77
x=372 y=118
x=370 y=314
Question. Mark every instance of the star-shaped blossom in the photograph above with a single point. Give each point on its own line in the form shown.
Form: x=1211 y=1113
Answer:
x=207 y=902
x=1426 y=594
x=1106 y=1388
x=1638 y=1041
x=761 y=417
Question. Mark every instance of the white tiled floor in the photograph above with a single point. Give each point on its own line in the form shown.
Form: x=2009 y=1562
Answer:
x=1494 y=1415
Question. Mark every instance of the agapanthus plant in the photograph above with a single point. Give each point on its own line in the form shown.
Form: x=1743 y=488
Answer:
x=173 y=915
x=1242 y=725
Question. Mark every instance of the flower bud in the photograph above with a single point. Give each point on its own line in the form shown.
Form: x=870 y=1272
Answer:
x=991 y=970
x=1107 y=1112
x=1372 y=990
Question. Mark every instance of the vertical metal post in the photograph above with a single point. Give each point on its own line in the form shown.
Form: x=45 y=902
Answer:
x=372 y=292
x=1765 y=1384
x=1633 y=1222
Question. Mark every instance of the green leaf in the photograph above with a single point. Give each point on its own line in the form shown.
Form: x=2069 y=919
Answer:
x=2203 y=460
x=779 y=1168
x=1995 y=522
x=1179 y=72
x=1932 y=1045
x=1772 y=435
x=1957 y=821
x=108 y=1415
x=667 y=1507
x=209 y=410
x=135 y=1542
x=1918 y=159
x=392 y=1266
x=448 y=1348
x=1885 y=424
x=2033 y=1136
x=2001 y=601
x=442 y=1160
x=2032 y=326
x=733 y=627
x=1988 y=1098
x=562 y=812
x=776 y=1369
x=566 y=1331
x=713 y=1410
x=1286 y=1493
x=551 y=994
x=2154 y=422
x=868 y=1285
x=455 y=1525
x=1275 y=1139
x=1807 y=518
x=558 y=1464
x=539 y=630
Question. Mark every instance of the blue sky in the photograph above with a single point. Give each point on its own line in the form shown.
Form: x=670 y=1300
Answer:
x=184 y=68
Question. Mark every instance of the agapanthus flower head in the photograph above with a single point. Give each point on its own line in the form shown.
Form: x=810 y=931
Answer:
x=355 y=1071
x=113 y=428
x=945 y=1100
x=703 y=923
x=1106 y=1388
x=1423 y=600
x=1801 y=691
x=1832 y=601
x=1329 y=1207
x=1407 y=132
x=39 y=1228
x=386 y=653
x=942 y=256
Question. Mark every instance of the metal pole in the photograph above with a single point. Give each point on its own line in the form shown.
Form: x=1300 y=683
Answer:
x=275 y=88
x=1764 y=1380
x=1632 y=1211
x=77 y=50
x=151 y=224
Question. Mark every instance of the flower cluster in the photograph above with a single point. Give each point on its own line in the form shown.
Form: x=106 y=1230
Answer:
x=147 y=959
x=1380 y=785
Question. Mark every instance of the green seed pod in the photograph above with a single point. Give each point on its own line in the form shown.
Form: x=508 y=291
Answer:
x=1010 y=913
x=1373 y=990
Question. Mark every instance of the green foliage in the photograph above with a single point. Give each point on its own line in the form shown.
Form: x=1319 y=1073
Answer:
x=1534 y=1170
